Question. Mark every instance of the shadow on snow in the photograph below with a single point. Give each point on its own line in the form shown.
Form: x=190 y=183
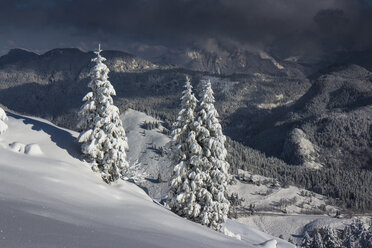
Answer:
x=60 y=137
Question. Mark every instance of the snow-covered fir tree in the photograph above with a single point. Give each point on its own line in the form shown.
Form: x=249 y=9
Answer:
x=348 y=239
x=102 y=134
x=369 y=237
x=182 y=125
x=186 y=178
x=330 y=238
x=215 y=205
x=199 y=180
x=306 y=241
x=358 y=235
x=317 y=240
x=3 y=118
x=355 y=235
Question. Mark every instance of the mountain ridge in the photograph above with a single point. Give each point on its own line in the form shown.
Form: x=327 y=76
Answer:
x=257 y=110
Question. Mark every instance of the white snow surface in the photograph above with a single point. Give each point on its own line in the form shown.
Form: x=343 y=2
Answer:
x=33 y=149
x=17 y=147
x=3 y=118
x=55 y=200
x=269 y=244
x=145 y=162
x=266 y=198
x=142 y=141
x=302 y=214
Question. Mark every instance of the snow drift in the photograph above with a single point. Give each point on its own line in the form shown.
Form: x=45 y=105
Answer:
x=55 y=200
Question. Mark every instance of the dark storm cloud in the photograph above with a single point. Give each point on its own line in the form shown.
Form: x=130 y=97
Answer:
x=283 y=26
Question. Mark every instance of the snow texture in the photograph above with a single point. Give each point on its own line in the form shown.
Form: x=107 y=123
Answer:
x=229 y=233
x=17 y=147
x=33 y=149
x=3 y=118
x=30 y=149
x=149 y=168
x=55 y=200
x=269 y=244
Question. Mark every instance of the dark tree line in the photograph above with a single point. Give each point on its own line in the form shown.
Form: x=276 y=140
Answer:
x=349 y=187
x=346 y=186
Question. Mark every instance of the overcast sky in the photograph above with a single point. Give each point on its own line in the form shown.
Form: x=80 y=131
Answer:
x=281 y=27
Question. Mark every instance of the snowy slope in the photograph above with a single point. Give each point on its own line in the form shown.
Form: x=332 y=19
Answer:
x=143 y=141
x=270 y=197
x=287 y=211
x=303 y=211
x=52 y=199
x=145 y=160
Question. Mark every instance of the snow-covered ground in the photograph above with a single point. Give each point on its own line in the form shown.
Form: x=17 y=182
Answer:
x=267 y=196
x=286 y=212
x=146 y=160
x=50 y=198
x=278 y=211
x=282 y=211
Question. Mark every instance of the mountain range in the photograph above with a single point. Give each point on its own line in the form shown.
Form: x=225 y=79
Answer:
x=314 y=115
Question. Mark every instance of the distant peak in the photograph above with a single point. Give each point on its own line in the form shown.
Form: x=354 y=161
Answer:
x=17 y=55
x=57 y=51
x=20 y=51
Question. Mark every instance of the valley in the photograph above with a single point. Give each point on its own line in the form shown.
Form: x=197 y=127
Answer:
x=298 y=145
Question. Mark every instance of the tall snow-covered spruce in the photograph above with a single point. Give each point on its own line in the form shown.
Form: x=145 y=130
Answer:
x=210 y=137
x=186 y=179
x=199 y=180
x=103 y=138
x=3 y=118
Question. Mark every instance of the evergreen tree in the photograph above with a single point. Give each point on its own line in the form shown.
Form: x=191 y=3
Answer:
x=215 y=205
x=355 y=235
x=102 y=134
x=199 y=180
x=360 y=233
x=330 y=238
x=348 y=238
x=182 y=125
x=306 y=241
x=317 y=240
x=369 y=237
x=3 y=118
x=186 y=178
